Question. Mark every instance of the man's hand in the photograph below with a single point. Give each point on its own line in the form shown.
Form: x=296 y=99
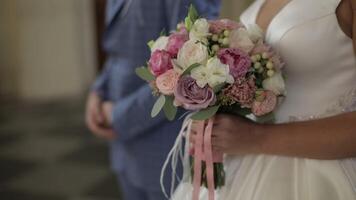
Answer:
x=95 y=118
x=107 y=108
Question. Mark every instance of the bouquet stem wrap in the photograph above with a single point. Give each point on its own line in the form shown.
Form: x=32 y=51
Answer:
x=203 y=151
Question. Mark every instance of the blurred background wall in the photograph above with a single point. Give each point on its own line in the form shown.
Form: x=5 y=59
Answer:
x=48 y=47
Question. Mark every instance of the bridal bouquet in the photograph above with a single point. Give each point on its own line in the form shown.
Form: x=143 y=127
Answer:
x=206 y=67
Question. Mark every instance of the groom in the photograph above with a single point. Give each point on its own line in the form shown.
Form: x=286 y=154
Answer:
x=118 y=108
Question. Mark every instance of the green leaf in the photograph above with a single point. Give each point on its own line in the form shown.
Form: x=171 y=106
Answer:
x=151 y=43
x=193 y=13
x=157 y=107
x=190 y=68
x=188 y=23
x=145 y=74
x=163 y=32
x=169 y=109
x=206 y=113
x=219 y=87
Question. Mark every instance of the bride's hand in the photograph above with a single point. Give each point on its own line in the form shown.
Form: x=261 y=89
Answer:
x=235 y=135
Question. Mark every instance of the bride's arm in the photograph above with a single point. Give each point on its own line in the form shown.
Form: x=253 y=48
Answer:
x=329 y=138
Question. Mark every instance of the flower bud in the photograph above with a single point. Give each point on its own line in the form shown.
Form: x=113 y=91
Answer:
x=254 y=59
x=226 y=33
x=215 y=38
x=270 y=73
x=215 y=48
x=269 y=65
x=225 y=41
x=265 y=55
x=258 y=57
x=257 y=65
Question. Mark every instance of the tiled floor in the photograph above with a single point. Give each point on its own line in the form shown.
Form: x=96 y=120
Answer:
x=46 y=153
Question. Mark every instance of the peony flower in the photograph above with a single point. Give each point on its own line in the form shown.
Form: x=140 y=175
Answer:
x=240 y=39
x=213 y=74
x=255 y=32
x=242 y=91
x=192 y=52
x=192 y=97
x=160 y=43
x=265 y=103
x=167 y=82
x=238 y=61
x=275 y=84
x=160 y=62
x=199 y=30
x=176 y=41
x=217 y=26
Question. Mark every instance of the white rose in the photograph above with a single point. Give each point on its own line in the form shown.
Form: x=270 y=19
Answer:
x=213 y=74
x=275 y=84
x=160 y=43
x=255 y=32
x=199 y=30
x=192 y=52
x=240 y=38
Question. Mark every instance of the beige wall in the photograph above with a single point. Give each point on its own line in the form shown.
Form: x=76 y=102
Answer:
x=232 y=8
x=47 y=48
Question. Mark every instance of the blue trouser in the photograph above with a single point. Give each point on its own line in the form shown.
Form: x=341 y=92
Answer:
x=133 y=192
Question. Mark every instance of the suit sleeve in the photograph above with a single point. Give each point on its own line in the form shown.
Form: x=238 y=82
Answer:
x=132 y=115
x=100 y=85
x=209 y=9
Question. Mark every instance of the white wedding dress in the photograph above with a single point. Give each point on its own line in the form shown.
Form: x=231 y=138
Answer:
x=321 y=82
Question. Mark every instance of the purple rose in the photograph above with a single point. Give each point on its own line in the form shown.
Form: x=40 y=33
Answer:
x=160 y=62
x=191 y=97
x=238 y=61
x=176 y=41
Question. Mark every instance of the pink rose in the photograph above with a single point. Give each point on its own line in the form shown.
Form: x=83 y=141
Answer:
x=265 y=103
x=217 y=26
x=176 y=41
x=238 y=61
x=167 y=82
x=160 y=62
x=242 y=91
x=192 y=97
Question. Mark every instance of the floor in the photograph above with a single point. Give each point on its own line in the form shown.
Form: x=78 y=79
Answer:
x=46 y=153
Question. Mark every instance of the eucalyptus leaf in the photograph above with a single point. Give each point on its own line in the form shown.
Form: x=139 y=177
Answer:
x=190 y=68
x=157 y=107
x=169 y=109
x=206 y=113
x=145 y=74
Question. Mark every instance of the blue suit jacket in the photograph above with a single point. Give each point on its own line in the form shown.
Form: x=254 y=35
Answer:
x=143 y=143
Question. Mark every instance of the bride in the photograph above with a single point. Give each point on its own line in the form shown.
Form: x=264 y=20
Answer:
x=308 y=154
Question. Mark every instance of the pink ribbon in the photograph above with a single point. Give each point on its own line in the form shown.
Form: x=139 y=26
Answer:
x=203 y=152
